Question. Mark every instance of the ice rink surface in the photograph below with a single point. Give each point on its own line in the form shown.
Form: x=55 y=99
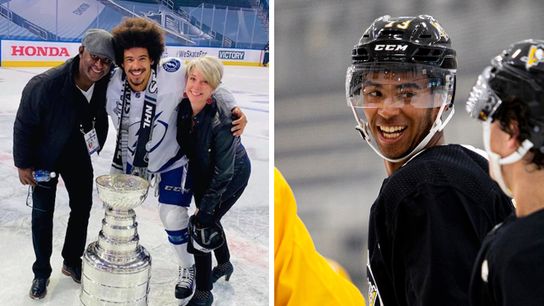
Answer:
x=246 y=224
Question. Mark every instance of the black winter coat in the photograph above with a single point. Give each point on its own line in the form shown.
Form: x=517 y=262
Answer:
x=212 y=150
x=51 y=109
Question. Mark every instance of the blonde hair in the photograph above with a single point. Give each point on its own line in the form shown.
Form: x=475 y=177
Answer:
x=210 y=67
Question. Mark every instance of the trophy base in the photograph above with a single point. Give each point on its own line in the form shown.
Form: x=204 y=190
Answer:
x=107 y=284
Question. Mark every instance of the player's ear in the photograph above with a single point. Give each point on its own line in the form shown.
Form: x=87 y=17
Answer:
x=513 y=142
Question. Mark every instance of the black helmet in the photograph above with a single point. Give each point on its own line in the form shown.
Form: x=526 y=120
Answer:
x=418 y=39
x=414 y=51
x=517 y=73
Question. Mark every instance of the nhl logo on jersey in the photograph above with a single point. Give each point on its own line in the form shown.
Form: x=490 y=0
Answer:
x=171 y=65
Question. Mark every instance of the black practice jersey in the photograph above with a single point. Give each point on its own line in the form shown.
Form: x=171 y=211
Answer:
x=427 y=225
x=509 y=269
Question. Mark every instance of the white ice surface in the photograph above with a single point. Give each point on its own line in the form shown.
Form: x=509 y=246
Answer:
x=246 y=224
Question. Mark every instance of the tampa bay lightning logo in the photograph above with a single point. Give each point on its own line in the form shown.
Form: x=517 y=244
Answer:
x=159 y=128
x=171 y=65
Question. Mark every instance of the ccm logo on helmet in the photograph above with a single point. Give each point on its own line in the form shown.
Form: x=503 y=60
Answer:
x=390 y=47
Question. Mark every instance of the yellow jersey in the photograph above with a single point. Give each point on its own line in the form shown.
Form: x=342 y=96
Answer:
x=301 y=275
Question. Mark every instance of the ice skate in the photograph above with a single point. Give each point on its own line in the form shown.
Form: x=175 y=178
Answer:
x=186 y=281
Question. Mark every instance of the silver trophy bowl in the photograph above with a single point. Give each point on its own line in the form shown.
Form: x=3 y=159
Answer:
x=116 y=268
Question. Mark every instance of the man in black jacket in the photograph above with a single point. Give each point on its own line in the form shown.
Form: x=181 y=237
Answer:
x=438 y=203
x=60 y=122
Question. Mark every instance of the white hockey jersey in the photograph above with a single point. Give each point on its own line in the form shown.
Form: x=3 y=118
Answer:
x=163 y=149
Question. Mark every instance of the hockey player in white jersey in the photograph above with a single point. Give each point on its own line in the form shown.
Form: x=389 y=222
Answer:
x=142 y=100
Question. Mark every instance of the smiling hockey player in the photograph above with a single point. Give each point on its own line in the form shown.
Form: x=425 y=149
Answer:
x=438 y=202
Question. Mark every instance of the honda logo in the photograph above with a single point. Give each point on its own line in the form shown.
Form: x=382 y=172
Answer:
x=39 y=51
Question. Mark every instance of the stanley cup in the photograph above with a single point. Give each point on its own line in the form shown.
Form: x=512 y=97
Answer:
x=116 y=268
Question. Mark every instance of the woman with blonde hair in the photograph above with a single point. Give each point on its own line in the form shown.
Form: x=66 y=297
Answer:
x=219 y=168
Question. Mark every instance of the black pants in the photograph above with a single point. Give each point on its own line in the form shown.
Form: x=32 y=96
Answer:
x=203 y=261
x=77 y=174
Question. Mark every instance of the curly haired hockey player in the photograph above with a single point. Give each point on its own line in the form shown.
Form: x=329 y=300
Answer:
x=438 y=203
x=509 y=99
x=142 y=100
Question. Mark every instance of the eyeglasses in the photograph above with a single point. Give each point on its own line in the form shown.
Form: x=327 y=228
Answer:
x=106 y=61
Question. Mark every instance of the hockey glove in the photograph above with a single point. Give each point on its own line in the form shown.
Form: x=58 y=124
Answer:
x=205 y=239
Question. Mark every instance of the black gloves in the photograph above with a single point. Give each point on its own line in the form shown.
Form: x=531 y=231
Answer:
x=205 y=238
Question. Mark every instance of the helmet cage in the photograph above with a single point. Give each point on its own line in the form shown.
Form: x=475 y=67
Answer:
x=482 y=101
x=501 y=80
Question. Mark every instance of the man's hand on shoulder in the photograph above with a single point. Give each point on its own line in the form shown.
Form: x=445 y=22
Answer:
x=240 y=123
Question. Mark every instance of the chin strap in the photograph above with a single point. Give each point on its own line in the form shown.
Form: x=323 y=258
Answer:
x=526 y=145
x=496 y=161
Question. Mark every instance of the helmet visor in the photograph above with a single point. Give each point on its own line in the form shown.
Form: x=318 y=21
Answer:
x=482 y=101
x=379 y=85
x=372 y=88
